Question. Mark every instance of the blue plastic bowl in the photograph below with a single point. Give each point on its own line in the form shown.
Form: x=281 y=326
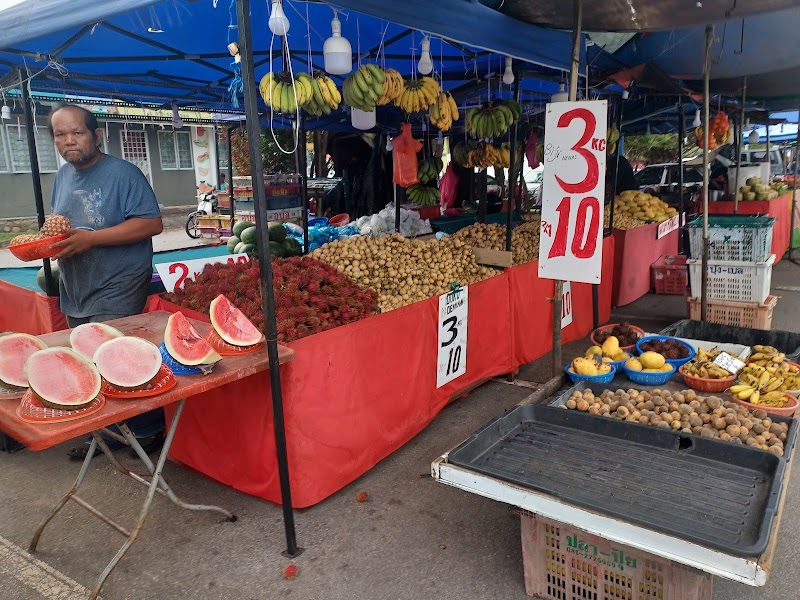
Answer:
x=596 y=378
x=318 y=221
x=675 y=362
x=649 y=378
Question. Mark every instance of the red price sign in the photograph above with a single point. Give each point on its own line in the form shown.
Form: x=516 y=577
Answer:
x=174 y=275
x=573 y=191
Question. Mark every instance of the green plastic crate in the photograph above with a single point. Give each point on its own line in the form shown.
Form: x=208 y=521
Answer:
x=735 y=237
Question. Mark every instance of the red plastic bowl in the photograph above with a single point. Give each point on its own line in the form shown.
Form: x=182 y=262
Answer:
x=38 y=248
x=701 y=384
x=339 y=220
x=611 y=326
x=786 y=411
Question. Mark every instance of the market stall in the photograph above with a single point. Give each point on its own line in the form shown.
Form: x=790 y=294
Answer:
x=780 y=208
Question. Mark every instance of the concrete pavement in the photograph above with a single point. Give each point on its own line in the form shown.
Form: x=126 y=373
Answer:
x=413 y=539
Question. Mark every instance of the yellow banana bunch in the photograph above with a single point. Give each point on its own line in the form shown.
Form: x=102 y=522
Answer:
x=774 y=362
x=504 y=158
x=364 y=86
x=392 y=88
x=325 y=96
x=443 y=112
x=493 y=119
x=283 y=93
x=418 y=95
x=482 y=156
x=702 y=365
x=764 y=385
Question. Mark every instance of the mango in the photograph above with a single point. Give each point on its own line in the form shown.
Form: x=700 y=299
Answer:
x=652 y=360
x=666 y=368
x=611 y=346
x=584 y=366
x=633 y=364
x=592 y=351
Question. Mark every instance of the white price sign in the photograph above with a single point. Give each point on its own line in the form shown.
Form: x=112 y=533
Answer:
x=729 y=363
x=174 y=274
x=452 y=353
x=667 y=227
x=566 y=305
x=573 y=190
x=285 y=214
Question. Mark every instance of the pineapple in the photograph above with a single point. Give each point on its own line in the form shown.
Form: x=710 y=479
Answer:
x=55 y=225
x=24 y=239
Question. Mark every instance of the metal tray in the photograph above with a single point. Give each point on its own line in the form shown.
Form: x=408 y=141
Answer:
x=785 y=341
x=717 y=495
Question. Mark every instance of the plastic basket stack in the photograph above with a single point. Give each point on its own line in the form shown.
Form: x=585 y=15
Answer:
x=739 y=270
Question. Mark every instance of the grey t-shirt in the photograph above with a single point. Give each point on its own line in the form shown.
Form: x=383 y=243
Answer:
x=106 y=279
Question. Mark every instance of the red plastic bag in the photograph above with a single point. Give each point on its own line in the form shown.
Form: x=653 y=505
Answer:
x=530 y=152
x=448 y=188
x=405 y=157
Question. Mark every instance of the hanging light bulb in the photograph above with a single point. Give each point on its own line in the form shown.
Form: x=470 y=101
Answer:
x=177 y=122
x=278 y=23
x=389 y=144
x=561 y=96
x=361 y=119
x=753 y=137
x=425 y=64
x=697 y=122
x=625 y=94
x=5 y=112
x=337 y=50
x=508 y=75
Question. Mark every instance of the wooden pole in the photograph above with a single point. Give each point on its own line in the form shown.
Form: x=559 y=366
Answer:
x=706 y=110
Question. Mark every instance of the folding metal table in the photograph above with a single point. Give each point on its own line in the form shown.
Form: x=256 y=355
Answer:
x=40 y=436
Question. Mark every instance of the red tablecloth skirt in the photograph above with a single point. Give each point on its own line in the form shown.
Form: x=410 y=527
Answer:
x=635 y=251
x=780 y=208
x=25 y=311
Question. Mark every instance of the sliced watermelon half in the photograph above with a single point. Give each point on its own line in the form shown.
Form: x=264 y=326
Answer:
x=185 y=344
x=232 y=325
x=62 y=378
x=15 y=349
x=128 y=362
x=87 y=338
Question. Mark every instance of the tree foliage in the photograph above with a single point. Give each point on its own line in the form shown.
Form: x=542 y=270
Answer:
x=649 y=149
x=275 y=161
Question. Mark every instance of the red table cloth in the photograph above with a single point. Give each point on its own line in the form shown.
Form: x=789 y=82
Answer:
x=25 y=311
x=635 y=251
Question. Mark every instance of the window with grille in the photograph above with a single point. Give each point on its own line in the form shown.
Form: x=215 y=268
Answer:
x=134 y=149
x=17 y=139
x=222 y=151
x=175 y=150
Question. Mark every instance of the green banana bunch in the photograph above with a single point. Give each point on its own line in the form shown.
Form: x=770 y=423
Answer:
x=422 y=194
x=325 y=96
x=429 y=169
x=284 y=93
x=493 y=119
x=364 y=87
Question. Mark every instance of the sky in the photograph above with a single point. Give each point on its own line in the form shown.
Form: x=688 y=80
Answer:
x=4 y=4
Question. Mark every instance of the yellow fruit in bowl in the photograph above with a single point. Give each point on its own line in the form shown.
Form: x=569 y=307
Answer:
x=592 y=351
x=604 y=369
x=633 y=364
x=611 y=346
x=621 y=356
x=666 y=368
x=584 y=366
x=652 y=360
x=651 y=370
x=607 y=359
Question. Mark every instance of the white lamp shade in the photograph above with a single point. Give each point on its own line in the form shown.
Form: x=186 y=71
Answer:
x=753 y=137
x=508 y=74
x=362 y=120
x=337 y=51
x=278 y=22
x=697 y=122
x=425 y=64
x=561 y=96
x=5 y=113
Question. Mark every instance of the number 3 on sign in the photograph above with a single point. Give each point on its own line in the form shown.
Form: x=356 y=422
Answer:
x=573 y=191
x=451 y=360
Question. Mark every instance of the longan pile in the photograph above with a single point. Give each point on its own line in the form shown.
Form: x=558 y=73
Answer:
x=686 y=412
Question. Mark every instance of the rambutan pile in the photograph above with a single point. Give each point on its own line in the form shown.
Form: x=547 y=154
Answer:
x=310 y=295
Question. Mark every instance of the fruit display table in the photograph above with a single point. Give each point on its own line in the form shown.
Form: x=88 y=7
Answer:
x=39 y=436
x=780 y=208
x=356 y=393
x=25 y=311
x=635 y=251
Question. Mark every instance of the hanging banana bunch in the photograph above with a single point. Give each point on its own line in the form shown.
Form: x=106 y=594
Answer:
x=364 y=87
x=325 y=96
x=418 y=95
x=443 y=112
x=393 y=87
x=493 y=119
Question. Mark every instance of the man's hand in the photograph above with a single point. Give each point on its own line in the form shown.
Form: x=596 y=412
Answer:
x=78 y=242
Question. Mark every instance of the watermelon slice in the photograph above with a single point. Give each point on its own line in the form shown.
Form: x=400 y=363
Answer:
x=62 y=378
x=15 y=348
x=232 y=325
x=185 y=345
x=87 y=338
x=128 y=362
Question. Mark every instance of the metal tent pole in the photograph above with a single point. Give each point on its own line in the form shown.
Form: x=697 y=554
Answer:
x=704 y=263
x=265 y=266
x=738 y=147
x=512 y=176
x=230 y=178
x=303 y=168
x=794 y=189
x=573 y=95
x=30 y=130
x=681 y=177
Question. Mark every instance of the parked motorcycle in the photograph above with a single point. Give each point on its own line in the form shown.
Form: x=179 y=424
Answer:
x=207 y=205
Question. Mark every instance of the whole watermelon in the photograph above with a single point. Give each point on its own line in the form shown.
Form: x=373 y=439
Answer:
x=56 y=277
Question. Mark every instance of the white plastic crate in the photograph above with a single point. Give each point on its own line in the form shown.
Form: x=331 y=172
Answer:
x=733 y=237
x=733 y=280
x=562 y=562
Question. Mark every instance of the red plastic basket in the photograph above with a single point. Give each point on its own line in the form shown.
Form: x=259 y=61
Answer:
x=702 y=384
x=612 y=325
x=670 y=275
x=38 y=248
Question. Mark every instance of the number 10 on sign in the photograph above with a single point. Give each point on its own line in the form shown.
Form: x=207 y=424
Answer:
x=573 y=191
x=452 y=342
